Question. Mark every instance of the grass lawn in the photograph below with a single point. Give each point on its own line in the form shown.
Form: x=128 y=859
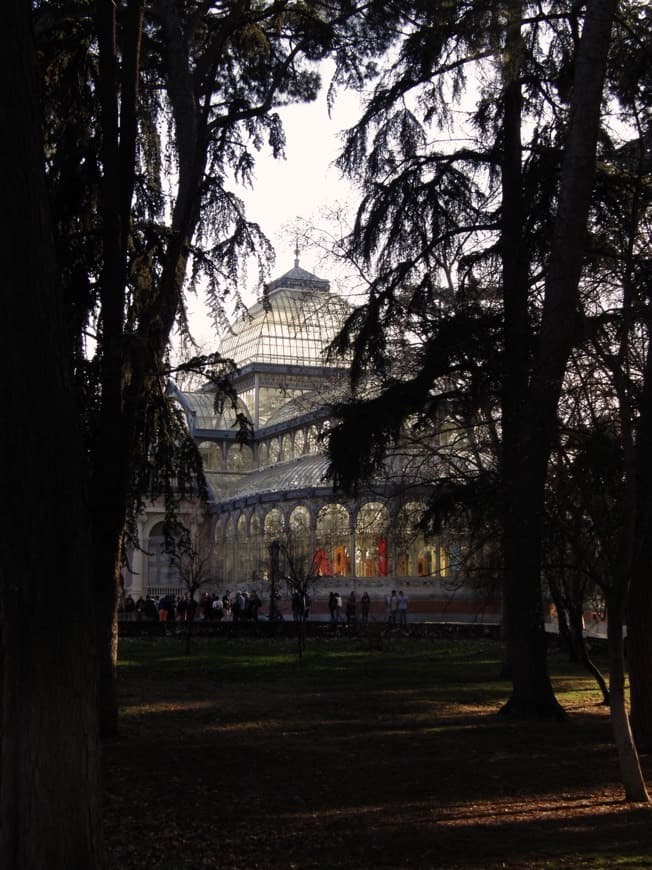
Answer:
x=365 y=755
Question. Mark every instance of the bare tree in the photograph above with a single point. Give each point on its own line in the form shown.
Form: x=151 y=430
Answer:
x=193 y=565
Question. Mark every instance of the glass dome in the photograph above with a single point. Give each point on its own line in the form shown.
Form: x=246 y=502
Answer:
x=292 y=326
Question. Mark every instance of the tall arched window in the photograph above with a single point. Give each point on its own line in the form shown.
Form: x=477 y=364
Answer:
x=408 y=539
x=274 y=525
x=229 y=539
x=162 y=573
x=332 y=539
x=312 y=440
x=417 y=555
x=299 y=442
x=243 y=571
x=298 y=543
x=256 y=549
x=286 y=448
x=219 y=549
x=274 y=530
x=371 y=553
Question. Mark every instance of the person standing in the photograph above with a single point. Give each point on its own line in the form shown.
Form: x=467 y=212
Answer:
x=350 y=609
x=365 y=601
x=392 y=608
x=338 y=607
x=388 y=606
x=402 y=606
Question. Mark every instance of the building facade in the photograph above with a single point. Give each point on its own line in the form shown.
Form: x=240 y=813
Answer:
x=275 y=487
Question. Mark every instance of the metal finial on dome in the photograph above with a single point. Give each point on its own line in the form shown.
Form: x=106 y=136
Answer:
x=296 y=252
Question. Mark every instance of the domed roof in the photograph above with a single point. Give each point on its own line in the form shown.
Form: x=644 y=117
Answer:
x=292 y=325
x=298 y=278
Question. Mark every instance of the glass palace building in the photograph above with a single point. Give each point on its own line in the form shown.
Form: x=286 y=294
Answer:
x=275 y=487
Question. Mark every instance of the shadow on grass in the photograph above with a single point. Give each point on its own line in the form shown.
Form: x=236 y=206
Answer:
x=238 y=757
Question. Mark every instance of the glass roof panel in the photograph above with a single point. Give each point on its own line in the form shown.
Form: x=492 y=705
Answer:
x=302 y=473
x=201 y=405
x=293 y=327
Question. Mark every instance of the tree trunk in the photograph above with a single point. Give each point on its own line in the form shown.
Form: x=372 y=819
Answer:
x=114 y=450
x=579 y=643
x=529 y=409
x=639 y=653
x=49 y=766
x=630 y=768
x=106 y=572
x=558 y=599
x=523 y=503
x=639 y=609
x=532 y=692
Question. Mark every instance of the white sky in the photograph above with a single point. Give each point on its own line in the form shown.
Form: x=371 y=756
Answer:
x=306 y=181
x=304 y=186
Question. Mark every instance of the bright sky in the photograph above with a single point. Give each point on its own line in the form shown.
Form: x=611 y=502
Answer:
x=300 y=189
x=306 y=182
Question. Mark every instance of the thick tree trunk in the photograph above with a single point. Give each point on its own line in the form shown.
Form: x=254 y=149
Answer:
x=106 y=573
x=639 y=651
x=50 y=761
x=523 y=502
x=49 y=798
x=630 y=768
x=532 y=692
x=529 y=409
x=121 y=359
x=639 y=609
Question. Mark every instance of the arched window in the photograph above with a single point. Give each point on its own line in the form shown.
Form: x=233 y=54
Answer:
x=286 y=448
x=240 y=457
x=300 y=560
x=256 y=549
x=274 y=531
x=219 y=548
x=274 y=451
x=242 y=551
x=274 y=525
x=371 y=554
x=332 y=538
x=229 y=540
x=211 y=455
x=299 y=442
x=312 y=440
x=417 y=554
x=162 y=573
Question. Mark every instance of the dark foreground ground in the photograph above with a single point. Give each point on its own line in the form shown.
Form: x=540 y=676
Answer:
x=370 y=753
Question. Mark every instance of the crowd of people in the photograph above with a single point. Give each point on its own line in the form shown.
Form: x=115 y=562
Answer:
x=240 y=607
x=245 y=606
